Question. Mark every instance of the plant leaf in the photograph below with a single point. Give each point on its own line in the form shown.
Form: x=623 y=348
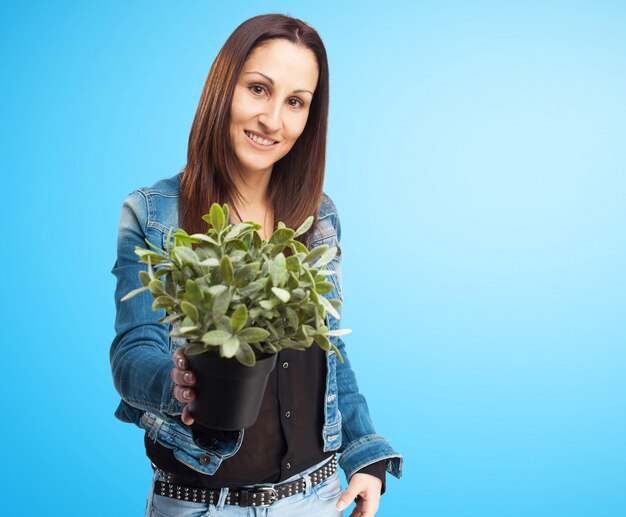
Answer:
x=316 y=252
x=282 y=294
x=194 y=349
x=230 y=346
x=304 y=227
x=246 y=274
x=190 y=310
x=245 y=355
x=329 y=307
x=217 y=217
x=338 y=332
x=132 y=293
x=326 y=257
x=192 y=291
x=185 y=255
x=226 y=270
x=253 y=335
x=239 y=318
x=278 y=270
x=215 y=337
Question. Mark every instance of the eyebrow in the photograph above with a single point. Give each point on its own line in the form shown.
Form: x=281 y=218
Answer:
x=271 y=81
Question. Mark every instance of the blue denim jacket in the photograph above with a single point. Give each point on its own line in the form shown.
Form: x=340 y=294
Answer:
x=141 y=350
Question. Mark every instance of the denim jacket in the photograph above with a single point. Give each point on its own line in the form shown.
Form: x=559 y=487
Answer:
x=141 y=351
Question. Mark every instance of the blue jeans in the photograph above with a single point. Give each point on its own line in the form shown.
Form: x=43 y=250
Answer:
x=317 y=501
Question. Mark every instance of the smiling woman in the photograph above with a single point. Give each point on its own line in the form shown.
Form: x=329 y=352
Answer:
x=268 y=112
x=258 y=143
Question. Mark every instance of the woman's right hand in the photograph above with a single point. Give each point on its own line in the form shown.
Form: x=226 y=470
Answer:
x=184 y=379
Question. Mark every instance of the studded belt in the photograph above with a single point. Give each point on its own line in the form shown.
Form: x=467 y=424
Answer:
x=260 y=496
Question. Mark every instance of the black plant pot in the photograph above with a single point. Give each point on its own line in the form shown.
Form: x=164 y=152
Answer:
x=228 y=393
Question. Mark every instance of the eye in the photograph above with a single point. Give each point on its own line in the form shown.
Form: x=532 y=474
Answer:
x=255 y=88
x=299 y=103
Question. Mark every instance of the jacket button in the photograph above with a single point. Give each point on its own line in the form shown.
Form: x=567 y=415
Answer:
x=287 y=414
x=285 y=364
x=205 y=459
x=288 y=466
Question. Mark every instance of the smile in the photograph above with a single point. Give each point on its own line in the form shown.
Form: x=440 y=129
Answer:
x=260 y=141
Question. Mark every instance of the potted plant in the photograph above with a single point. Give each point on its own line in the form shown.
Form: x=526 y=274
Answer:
x=238 y=300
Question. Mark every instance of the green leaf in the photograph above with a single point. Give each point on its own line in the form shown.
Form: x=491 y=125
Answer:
x=315 y=253
x=226 y=270
x=268 y=305
x=217 y=217
x=190 y=310
x=215 y=337
x=239 y=318
x=336 y=350
x=326 y=257
x=293 y=263
x=205 y=238
x=184 y=255
x=281 y=236
x=338 y=332
x=278 y=270
x=324 y=287
x=246 y=274
x=292 y=316
x=210 y=262
x=132 y=293
x=304 y=227
x=253 y=335
x=282 y=294
x=192 y=291
x=156 y=287
x=162 y=302
x=221 y=303
x=194 y=349
x=144 y=278
x=329 y=307
x=322 y=341
x=298 y=247
x=230 y=347
x=245 y=355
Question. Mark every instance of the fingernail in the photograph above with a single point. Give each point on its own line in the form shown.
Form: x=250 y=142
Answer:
x=186 y=394
x=340 y=505
x=188 y=377
x=181 y=363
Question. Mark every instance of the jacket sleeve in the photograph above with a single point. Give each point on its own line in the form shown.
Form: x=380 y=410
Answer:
x=360 y=446
x=139 y=354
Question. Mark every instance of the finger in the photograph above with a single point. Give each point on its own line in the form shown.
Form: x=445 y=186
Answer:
x=348 y=496
x=183 y=377
x=184 y=394
x=180 y=360
x=369 y=507
x=186 y=416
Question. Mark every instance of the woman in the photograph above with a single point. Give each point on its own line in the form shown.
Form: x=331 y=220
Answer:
x=257 y=142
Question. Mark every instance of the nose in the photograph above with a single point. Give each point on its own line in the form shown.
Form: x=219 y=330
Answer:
x=270 y=117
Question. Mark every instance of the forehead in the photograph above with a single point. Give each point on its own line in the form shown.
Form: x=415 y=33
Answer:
x=285 y=62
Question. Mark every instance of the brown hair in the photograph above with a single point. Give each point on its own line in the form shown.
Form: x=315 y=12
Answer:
x=295 y=186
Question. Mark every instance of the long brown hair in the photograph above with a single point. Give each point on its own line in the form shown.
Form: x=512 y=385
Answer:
x=295 y=186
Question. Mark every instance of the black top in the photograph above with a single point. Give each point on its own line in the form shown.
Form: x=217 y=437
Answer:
x=285 y=439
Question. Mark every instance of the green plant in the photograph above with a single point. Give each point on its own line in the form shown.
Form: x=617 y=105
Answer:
x=238 y=296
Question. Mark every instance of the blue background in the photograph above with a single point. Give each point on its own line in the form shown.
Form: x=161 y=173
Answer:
x=476 y=155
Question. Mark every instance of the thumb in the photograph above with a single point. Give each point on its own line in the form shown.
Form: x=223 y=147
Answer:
x=348 y=496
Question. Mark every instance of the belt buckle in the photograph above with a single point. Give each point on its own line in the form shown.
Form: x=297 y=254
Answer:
x=273 y=496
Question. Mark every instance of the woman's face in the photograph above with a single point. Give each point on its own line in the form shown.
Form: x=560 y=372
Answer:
x=271 y=103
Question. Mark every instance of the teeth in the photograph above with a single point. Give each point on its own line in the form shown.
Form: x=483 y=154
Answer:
x=258 y=140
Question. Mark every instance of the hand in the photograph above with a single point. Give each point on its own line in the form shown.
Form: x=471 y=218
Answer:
x=184 y=379
x=367 y=488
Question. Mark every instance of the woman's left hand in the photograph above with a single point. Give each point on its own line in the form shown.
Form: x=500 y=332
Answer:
x=367 y=488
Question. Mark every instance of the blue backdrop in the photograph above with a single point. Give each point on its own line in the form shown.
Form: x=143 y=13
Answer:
x=476 y=155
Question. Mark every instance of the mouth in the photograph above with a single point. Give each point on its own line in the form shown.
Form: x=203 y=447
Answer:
x=260 y=141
